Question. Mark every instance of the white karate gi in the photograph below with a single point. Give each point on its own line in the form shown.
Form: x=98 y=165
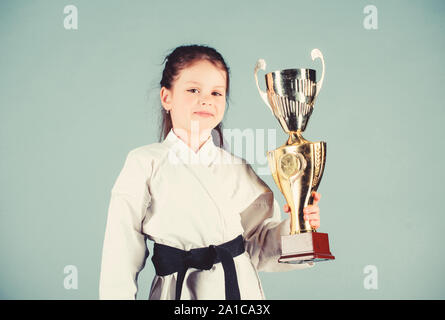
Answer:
x=169 y=194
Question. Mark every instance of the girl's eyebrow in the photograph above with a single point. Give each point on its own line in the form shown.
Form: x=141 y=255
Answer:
x=194 y=82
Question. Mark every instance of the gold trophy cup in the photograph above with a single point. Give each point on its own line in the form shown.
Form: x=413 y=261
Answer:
x=298 y=165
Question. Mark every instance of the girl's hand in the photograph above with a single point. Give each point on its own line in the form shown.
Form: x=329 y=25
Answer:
x=311 y=212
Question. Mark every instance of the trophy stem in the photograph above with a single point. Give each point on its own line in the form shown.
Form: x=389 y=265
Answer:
x=293 y=221
x=303 y=227
x=295 y=138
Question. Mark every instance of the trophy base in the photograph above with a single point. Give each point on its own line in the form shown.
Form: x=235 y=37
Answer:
x=305 y=247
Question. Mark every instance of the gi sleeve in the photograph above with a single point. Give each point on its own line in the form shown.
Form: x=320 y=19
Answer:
x=263 y=228
x=124 y=248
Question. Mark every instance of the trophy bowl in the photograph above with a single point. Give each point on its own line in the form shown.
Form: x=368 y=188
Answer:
x=291 y=93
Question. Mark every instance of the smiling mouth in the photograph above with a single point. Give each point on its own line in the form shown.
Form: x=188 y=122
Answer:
x=203 y=113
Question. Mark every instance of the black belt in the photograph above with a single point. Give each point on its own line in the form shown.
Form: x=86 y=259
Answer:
x=168 y=260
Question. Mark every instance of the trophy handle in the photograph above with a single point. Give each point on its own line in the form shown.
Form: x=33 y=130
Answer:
x=261 y=64
x=314 y=55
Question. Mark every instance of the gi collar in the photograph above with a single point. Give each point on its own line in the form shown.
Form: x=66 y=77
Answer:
x=205 y=156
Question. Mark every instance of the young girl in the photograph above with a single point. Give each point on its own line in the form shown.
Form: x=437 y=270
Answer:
x=214 y=222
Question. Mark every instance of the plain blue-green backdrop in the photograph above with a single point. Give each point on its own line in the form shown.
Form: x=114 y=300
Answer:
x=74 y=102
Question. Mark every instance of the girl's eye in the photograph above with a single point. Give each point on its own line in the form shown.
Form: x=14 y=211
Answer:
x=215 y=93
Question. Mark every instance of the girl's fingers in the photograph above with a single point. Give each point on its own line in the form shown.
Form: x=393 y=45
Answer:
x=317 y=197
x=314 y=224
x=311 y=209
x=312 y=216
x=314 y=219
x=307 y=210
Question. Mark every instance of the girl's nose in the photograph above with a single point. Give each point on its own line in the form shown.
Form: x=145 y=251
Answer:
x=205 y=100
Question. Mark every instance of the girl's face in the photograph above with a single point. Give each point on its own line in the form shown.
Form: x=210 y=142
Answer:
x=197 y=98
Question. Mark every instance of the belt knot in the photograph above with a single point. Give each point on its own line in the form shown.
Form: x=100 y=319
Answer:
x=202 y=258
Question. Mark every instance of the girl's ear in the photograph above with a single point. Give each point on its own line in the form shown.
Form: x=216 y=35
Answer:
x=165 y=95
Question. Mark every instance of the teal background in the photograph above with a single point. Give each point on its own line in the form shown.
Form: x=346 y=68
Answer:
x=74 y=102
